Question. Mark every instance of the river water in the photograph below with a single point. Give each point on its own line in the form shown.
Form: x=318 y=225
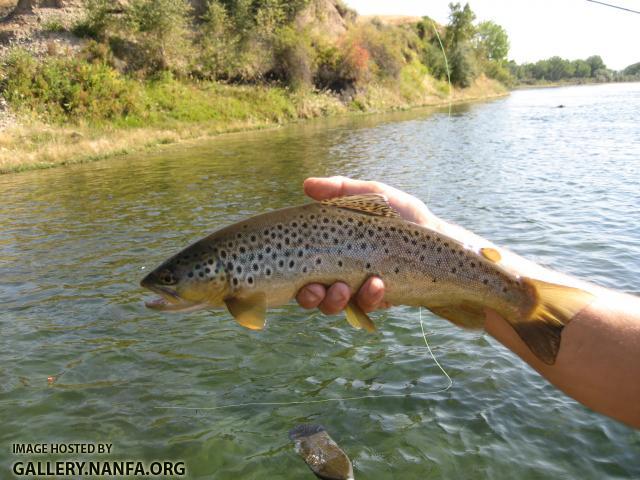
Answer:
x=558 y=185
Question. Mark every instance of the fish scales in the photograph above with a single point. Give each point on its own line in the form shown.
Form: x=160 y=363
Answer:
x=263 y=262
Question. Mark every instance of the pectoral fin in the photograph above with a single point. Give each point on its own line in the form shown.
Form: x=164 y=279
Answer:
x=250 y=311
x=357 y=318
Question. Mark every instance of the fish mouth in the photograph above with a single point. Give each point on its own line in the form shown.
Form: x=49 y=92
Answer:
x=169 y=300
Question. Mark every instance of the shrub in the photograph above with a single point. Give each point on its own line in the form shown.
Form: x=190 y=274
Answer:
x=294 y=58
x=218 y=42
x=54 y=26
x=62 y=89
x=96 y=19
x=462 y=65
x=160 y=28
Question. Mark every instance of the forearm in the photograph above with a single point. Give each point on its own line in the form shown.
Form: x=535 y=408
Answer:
x=599 y=359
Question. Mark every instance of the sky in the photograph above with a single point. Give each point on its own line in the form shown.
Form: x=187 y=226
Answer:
x=541 y=28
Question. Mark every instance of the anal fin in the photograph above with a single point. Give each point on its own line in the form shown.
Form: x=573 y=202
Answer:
x=463 y=315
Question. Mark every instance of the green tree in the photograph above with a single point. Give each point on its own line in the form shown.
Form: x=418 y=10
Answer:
x=460 y=28
x=596 y=63
x=582 y=69
x=492 y=41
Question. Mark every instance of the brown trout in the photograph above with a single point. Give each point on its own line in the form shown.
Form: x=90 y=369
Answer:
x=263 y=262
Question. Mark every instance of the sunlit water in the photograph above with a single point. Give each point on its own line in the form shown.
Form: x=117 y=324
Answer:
x=559 y=185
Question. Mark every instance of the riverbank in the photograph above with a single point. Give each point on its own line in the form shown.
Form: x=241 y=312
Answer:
x=203 y=111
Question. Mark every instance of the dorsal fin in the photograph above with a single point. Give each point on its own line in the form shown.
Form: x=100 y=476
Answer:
x=370 y=203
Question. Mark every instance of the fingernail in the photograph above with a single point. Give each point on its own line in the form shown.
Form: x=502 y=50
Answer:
x=374 y=292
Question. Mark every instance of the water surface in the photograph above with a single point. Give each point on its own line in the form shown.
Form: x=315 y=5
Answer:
x=559 y=185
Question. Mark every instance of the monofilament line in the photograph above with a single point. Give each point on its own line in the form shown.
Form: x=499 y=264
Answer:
x=326 y=400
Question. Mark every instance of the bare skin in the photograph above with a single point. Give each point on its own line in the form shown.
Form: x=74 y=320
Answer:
x=599 y=359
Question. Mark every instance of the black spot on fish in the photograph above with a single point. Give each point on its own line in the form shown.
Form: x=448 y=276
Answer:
x=439 y=249
x=363 y=246
x=250 y=280
x=239 y=269
x=291 y=263
x=368 y=266
x=422 y=258
x=190 y=274
x=339 y=263
x=267 y=272
x=304 y=269
x=207 y=270
x=255 y=267
x=210 y=261
x=397 y=270
x=253 y=238
x=279 y=227
x=229 y=266
x=235 y=281
x=318 y=261
x=281 y=263
x=386 y=250
x=485 y=281
x=300 y=253
x=242 y=249
x=453 y=270
x=201 y=274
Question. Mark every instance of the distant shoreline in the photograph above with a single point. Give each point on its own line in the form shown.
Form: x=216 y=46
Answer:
x=40 y=146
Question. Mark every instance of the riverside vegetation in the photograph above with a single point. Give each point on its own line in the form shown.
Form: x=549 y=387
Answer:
x=135 y=74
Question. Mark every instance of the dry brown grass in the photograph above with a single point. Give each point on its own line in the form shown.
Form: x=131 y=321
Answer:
x=36 y=145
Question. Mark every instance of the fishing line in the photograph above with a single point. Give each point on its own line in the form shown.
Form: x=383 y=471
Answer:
x=327 y=400
x=446 y=62
x=614 y=6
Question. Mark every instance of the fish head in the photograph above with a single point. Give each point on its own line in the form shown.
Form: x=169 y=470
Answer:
x=192 y=280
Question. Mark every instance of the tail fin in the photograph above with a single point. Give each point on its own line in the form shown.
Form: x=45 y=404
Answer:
x=555 y=306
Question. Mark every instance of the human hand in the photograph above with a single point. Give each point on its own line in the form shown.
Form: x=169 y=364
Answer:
x=370 y=296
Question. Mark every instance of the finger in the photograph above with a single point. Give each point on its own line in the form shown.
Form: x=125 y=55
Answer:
x=337 y=297
x=371 y=294
x=311 y=295
x=330 y=187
